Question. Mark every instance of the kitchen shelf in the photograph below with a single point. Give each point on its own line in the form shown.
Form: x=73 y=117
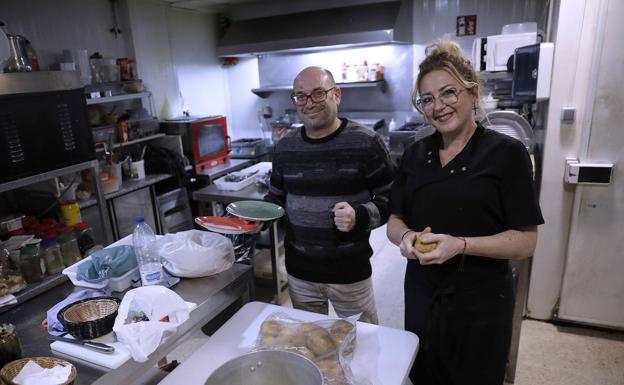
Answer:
x=97 y=86
x=264 y=92
x=118 y=98
x=130 y=143
x=127 y=186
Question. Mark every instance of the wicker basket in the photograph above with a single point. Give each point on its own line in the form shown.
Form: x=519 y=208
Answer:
x=12 y=369
x=89 y=318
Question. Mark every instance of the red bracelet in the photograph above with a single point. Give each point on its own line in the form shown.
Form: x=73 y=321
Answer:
x=461 y=257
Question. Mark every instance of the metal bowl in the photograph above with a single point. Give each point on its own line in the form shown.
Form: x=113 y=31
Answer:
x=268 y=367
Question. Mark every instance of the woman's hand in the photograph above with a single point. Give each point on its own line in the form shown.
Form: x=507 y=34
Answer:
x=408 y=250
x=447 y=247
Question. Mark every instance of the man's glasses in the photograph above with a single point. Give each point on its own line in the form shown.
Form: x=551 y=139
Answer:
x=317 y=96
x=448 y=96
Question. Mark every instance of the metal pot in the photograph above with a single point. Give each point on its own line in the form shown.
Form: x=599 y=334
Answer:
x=18 y=61
x=267 y=367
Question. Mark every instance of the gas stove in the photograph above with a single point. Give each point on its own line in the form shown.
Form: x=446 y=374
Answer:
x=249 y=148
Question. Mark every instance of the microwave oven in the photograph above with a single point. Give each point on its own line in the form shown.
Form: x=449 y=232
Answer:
x=43 y=123
x=205 y=140
x=493 y=53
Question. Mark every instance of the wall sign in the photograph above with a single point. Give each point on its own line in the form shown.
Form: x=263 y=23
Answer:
x=466 y=25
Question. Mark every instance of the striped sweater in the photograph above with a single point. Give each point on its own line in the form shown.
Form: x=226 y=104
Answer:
x=309 y=177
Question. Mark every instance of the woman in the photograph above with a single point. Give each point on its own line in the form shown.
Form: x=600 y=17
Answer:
x=468 y=191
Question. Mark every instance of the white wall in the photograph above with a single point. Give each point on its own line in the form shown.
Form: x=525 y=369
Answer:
x=52 y=26
x=201 y=79
x=242 y=104
x=574 y=47
x=435 y=18
x=150 y=36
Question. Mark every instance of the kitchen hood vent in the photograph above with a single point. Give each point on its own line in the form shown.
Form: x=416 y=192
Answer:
x=360 y=25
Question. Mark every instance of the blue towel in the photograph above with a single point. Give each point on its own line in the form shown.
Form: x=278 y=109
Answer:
x=108 y=263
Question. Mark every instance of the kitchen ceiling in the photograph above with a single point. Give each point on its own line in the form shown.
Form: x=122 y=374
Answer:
x=208 y=5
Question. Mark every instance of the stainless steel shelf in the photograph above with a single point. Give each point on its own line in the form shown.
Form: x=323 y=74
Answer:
x=130 y=143
x=264 y=92
x=46 y=175
x=118 y=98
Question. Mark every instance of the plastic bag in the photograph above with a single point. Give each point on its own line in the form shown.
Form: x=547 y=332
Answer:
x=329 y=343
x=108 y=263
x=146 y=315
x=195 y=253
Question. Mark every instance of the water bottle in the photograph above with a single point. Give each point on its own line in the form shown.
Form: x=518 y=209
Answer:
x=144 y=242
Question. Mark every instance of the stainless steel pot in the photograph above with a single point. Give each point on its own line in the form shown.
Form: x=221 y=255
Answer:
x=269 y=367
x=18 y=61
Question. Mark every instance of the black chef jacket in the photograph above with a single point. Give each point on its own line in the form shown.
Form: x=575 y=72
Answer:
x=463 y=318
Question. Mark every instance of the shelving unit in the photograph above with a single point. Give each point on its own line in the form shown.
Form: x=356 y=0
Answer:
x=264 y=92
x=130 y=143
x=118 y=98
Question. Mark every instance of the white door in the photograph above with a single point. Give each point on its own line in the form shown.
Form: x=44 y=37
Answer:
x=593 y=282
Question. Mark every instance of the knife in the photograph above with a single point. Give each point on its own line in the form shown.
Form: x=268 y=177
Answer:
x=98 y=346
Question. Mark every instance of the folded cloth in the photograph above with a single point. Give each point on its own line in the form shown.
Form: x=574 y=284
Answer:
x=8 y=299
x=108 y=263
x=54 y=326
x=33 y=374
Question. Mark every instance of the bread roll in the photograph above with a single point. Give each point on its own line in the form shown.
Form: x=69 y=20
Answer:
x=424 y=247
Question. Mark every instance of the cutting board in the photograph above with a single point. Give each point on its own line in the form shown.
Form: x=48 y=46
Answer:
x=108 y=360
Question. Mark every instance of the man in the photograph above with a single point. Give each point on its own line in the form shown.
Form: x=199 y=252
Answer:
x=333 y=177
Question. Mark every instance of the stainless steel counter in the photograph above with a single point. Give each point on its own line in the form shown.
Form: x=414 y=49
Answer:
x=211 y=294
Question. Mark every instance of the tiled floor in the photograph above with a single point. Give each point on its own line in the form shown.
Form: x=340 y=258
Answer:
x=548 y=354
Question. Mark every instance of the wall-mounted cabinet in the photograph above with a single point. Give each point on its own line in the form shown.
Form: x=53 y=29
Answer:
x=264 y=92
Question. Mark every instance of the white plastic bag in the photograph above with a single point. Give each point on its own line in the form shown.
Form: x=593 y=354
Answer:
x=195 y=253
x=163 y=308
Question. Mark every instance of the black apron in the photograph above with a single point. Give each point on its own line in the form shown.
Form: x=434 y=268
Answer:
x=464 y=325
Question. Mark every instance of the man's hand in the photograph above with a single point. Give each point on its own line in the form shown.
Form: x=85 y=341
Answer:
x=344 y=216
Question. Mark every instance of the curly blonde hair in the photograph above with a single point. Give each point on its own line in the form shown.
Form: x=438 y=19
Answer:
x=446 y=55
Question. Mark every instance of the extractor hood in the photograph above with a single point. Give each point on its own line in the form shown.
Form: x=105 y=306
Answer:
x=358 y=25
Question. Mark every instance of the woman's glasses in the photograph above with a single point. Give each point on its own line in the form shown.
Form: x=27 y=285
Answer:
x=448 y=96
x=317 y=96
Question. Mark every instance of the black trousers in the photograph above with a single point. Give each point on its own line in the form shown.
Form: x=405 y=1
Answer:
x=463 y=322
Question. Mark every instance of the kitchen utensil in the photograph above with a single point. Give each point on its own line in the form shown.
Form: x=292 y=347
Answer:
x=100 y=347
x=89 y=318
x=12 y=369
x=267 y=367
x=512 y=124
x=255 y=210
x=18 y=59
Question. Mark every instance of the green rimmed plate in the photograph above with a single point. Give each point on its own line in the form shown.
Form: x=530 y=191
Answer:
x=255 y=210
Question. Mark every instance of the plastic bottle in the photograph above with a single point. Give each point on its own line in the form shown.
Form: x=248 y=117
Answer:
x=144 y=242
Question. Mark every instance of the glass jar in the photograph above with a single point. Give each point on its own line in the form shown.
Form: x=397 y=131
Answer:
x=52 y=257
x=10 y=347
x=69 y=248
x=84 y=236
x=31 y=264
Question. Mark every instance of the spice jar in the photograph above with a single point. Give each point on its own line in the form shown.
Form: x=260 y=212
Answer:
x=10 y=347
x=52 y=257
x=84 y=236
x=71 y=212
x=69 y=248
x=31 y=265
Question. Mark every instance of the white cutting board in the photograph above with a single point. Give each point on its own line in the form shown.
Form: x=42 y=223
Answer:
x=108 y=360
